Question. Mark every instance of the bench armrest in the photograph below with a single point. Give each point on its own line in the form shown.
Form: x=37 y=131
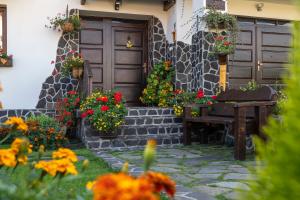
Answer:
x=254 y=104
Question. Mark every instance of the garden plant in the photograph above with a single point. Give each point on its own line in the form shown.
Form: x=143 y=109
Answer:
x=278 y=177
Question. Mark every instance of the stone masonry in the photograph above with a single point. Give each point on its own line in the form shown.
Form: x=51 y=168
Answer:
x=140 y=125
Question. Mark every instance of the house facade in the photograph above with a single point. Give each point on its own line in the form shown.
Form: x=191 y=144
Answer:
x=32 y=82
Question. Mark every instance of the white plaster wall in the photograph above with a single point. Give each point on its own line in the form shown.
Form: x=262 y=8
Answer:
x=34 y=46
x=171 y=21
x=184 y=9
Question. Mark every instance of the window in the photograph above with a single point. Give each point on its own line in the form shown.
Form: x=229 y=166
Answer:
x=3 y=28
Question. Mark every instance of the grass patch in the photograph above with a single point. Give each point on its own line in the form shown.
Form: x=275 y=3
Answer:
x=67 y=188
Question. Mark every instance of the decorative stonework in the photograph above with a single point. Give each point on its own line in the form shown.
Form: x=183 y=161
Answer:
x=157 y=42
x=57 y=85
x=24 y=113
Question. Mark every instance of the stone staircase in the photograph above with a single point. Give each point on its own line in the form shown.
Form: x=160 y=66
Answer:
x=141 y=124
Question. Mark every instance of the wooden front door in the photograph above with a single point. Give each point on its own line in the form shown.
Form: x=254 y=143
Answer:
x=116 y=65
x=261 y=52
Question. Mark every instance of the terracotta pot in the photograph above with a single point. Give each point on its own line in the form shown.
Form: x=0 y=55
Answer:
x=3 y=61
x=77 y=72
x=67 y=27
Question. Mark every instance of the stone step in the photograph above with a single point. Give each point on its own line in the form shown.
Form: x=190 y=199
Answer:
x=149 y=111
x=140 y=130
x=152 y=120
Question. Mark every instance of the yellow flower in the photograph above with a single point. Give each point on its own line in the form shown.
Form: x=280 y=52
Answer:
x=65 y=153
x=125 y=167
x=90 y=185
x=17 y=123
x=7 y=158
x=54 y=167
x=21 y=146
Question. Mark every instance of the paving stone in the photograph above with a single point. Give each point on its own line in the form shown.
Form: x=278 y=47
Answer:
x=206 y=176
x=232 y=185
x=211 y=170
x=165 y=170
x=213 y=191
x=240 y=170
x=238 y=176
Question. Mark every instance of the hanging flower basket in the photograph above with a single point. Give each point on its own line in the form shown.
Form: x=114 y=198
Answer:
x=67 y=27
x=77 y=72
x=5 y=60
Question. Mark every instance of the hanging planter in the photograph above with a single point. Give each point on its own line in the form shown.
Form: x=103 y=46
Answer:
x=65 y=22
x=73 y=65
x=77 y=72
x=6 y=60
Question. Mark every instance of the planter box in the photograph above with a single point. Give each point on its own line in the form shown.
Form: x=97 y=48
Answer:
x=8 y=64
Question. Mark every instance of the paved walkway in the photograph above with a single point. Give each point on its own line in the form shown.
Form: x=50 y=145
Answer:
x=201 y=171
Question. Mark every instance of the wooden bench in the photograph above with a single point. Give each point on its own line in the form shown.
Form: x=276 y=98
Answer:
x=241 y=110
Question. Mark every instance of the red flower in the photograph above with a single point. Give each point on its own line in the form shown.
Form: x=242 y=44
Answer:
x=84 y=115
x=77 y=100
x=69 y=123
x=66 y=100
x=104 y=99
x=214 y=97
x=90 y=112
x=200 y=94
x=209 y=103
x=104 y=108
x=219 y=38
x=178 y=91
x=226 y=43
x=98 y=99
x=72 y=92
x=118 y=97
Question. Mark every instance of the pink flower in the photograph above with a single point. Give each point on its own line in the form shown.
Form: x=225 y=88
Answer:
x=72 y=51
x=84 y=115
x=72 y=92
x=52 y=62
x=214 y=97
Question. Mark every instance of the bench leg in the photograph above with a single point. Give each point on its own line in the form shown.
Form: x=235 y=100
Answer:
x=187 y=133
x=240 y=133
x=261 y=116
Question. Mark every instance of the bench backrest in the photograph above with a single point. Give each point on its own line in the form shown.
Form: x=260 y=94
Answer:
x=264 y=93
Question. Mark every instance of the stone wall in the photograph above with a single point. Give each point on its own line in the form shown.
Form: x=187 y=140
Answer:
x=24 y=113
x=56 y=85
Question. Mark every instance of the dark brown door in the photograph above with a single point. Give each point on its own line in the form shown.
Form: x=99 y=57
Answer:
x=273 y=46
x=261 y=52
x=241 y=65
x=116 y=65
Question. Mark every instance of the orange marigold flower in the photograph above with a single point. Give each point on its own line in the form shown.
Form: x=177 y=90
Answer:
x=7 y=158
x=65 y=153
x=123 y=187
x=17 y=123
x=21 y=146
x=161 y=182
x=54 y=167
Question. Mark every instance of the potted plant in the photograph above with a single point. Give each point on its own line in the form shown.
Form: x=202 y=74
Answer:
x=73 y=64
x=223 y=45
x=5 y=60
x=66 y=111
x=216 y=20
x=65 y=22
x=105 y=112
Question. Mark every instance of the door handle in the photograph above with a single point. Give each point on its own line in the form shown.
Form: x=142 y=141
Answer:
x=259 y=65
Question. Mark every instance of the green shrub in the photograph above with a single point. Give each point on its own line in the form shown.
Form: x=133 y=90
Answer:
x=159 y=90
x=279 y=176
x=45 y=130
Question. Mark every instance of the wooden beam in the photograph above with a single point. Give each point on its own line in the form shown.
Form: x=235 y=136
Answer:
x=168 y=4
x=83 y=2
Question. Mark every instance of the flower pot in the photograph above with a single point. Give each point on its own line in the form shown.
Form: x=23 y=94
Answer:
x=77 y=72
x=3 y=61
x=67 y=27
